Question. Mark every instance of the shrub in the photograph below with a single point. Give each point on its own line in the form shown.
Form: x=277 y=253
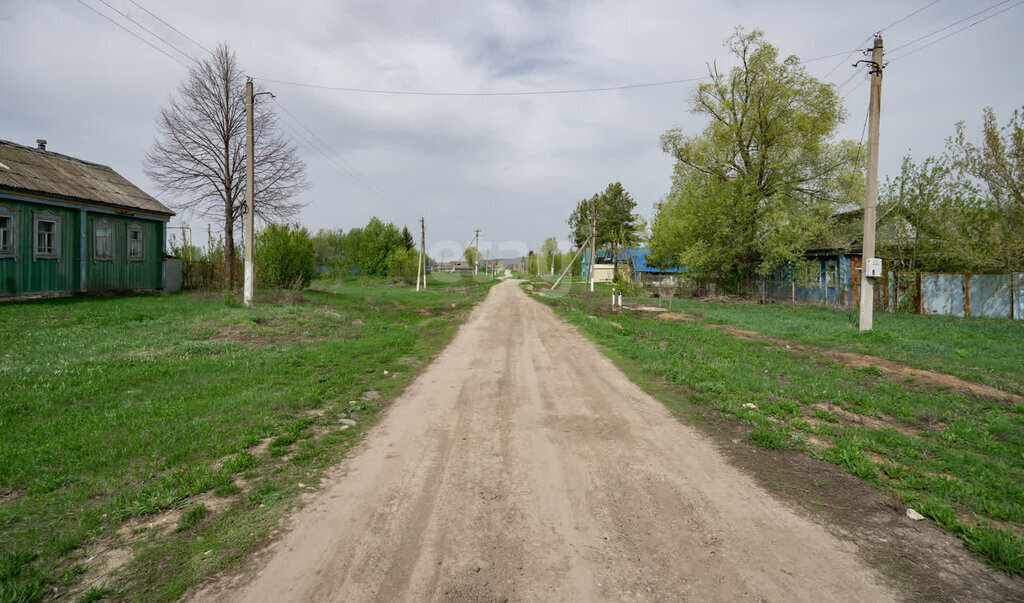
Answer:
x=402 y=264
x=285 y=256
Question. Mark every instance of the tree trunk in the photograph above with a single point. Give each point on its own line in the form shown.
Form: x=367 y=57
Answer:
x=229 y=248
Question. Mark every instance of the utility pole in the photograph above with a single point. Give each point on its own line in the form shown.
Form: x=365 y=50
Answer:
x=476 y=250
x=593 y=246
x=249 y=285
x=250 y=272
x=421 y=267
x=867 y=293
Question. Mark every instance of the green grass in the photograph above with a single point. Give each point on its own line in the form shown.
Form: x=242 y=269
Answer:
x=120 y=408
x=956 y=459
x=984 y=350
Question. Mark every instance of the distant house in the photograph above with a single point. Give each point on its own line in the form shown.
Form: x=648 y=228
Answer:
x=68 y=225
x=630 y=258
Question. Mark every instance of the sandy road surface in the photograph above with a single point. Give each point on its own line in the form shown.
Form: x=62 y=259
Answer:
x=523 y=465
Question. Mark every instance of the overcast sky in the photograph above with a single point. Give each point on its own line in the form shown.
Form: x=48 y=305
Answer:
x=513 y=167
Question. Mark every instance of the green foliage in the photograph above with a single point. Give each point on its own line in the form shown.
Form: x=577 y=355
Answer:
x=472 y=255
x=285 y=257
x=402 y=264
x=963 y=211
x=611 y=212
x=763 y=181
x=407 y=239
x=329 y=245
x=548 y=250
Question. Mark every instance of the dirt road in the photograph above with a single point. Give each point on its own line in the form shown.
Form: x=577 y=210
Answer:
x=523 y=465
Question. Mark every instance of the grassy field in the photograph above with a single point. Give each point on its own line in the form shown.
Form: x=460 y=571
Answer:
x=150 y=441
x=958 y=460
x=985 y=350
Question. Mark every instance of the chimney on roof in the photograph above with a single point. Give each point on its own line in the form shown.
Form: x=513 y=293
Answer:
x=41 y=144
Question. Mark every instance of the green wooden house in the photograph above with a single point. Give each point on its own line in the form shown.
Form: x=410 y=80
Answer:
x=68 y=225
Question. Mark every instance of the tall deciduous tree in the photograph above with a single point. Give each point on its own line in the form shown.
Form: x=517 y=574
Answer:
x=994 y=174
x=548 y=249
x=199 y=155
x=764 y=179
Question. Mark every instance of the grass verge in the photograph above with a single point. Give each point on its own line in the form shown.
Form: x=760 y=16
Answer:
x=150 y=441
x=957 y=460
x=984 y=350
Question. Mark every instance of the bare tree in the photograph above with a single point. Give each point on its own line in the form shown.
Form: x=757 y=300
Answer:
x=199 y=155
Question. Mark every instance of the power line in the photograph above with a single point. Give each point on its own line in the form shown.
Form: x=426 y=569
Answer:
x=867 y=39
x=438 y=93
x=956 y=31
x=953 y=24
x=329 y=154
x=144 y=40
x=148 y=30
x=181 y=33
x=898 y=21
x=518 y=93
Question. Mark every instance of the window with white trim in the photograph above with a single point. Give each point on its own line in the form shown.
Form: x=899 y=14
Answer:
x=46 y=231
x=136 y=243
x=8 y=232
x=102 y=239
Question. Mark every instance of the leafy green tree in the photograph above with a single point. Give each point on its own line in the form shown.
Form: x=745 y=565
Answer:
x=285 y=256
x=549 y=249
x=329 y=246
x=402 y=264
x=992 y=173
x=615 y=225
x=378 y=239
x=764 y=180
x=472 y=255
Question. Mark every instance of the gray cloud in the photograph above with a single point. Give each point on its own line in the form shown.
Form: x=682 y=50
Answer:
x=511 y=166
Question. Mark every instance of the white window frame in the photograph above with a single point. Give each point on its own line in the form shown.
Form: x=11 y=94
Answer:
x=46 y=216
x=135 y=227
x=12 y=232
x=96 y=224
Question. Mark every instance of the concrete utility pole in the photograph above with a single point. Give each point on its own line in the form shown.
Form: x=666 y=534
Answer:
x=476 y=247
x=593 y=247
x=250 y=272
x=421 y=266
x=867 y=293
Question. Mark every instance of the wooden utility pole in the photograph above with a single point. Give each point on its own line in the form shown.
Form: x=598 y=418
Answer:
x=867 y=293
x=421 y=266
x=249 y=286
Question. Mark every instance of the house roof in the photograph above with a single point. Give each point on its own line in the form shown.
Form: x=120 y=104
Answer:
x=37 y=171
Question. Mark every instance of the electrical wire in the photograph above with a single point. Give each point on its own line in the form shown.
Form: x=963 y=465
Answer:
x=436 y=93
x=898 y=21
x=148 y=30
x=953 y=33
x=329 y=154
x=181 y=33
x=867 y=39
x=144 y=40
x=953 y=24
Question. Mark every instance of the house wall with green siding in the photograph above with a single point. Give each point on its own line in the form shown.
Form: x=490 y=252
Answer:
x=25 y=274
x=120 y=272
